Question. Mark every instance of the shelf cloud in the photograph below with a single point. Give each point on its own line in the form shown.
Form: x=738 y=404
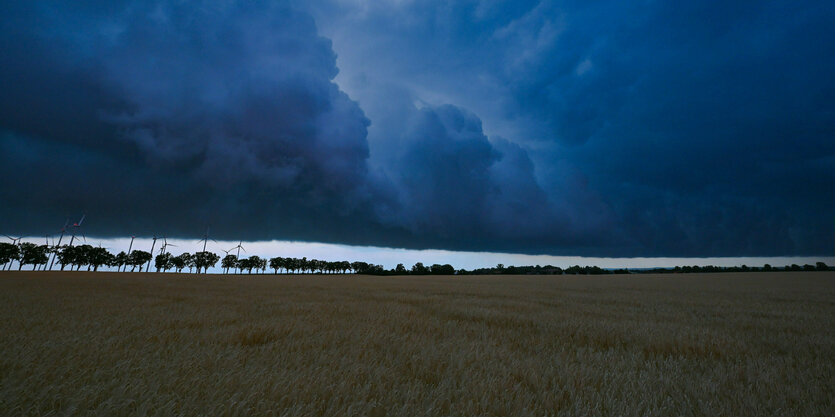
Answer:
x=562 y=128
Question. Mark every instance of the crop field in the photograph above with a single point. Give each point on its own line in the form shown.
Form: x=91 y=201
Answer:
x=110 y=344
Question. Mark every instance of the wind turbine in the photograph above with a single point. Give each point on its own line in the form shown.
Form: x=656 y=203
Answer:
x=16 y=242
x=55 y=249
x=238 y=255
x=227 y=254
x=165 y=245
x=152 y=252
x=206 y=239
x=77 y=226
x=130 y=248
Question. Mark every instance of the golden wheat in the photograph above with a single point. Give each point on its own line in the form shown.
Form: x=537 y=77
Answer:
x=149 y=344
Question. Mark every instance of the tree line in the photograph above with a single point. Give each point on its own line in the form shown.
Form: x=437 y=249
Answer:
x=41 y=257
x=595 y=270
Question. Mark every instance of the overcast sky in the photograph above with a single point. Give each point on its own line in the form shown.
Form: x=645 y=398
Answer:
x=577 y=128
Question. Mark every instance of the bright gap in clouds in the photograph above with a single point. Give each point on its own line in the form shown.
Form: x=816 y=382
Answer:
x=390 y=257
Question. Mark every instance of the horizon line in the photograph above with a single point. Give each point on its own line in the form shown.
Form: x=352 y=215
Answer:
x=390 y=256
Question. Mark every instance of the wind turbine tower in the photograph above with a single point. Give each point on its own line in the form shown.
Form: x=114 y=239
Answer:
x=16 y=242
x=152 y=252
x=77 y=226
x=130 y=249
x=58 y=246
x=165 y=246
x=205 y=239
x=238 y=255
x=43 y=267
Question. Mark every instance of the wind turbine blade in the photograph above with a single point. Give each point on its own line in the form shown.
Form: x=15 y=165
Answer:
x=82 y=219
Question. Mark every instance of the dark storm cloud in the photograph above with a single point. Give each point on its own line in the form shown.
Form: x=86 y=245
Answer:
x=165 y=117
x=172 y=115
x=704 y=124
x=694 y=128
x=610 y=128
x=453 y=182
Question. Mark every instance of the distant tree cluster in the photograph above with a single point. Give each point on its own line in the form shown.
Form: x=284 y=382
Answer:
x=92 y=258
x=819 y=266
x=595 y=270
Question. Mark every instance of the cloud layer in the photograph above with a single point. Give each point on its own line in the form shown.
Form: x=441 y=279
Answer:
x=611 y=129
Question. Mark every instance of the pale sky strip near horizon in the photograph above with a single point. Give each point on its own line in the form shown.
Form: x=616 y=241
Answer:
x=390 y=257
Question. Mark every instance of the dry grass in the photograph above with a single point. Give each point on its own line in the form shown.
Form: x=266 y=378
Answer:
x=144 y=344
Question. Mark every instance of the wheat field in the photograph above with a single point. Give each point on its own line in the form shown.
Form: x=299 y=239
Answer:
x=108 y=344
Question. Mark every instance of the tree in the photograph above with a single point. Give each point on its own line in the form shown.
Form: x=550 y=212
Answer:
x=250 y=263
x=66 y=255
x=75 y=256
x=120 y=260
x=98 y=257
x=275 y=264
x=360 y=267
x=179 y=262
x=116 y=261
x=139 y=258
x=317 y=265
x=8 y=252
x=446 y=269
x=400 y=269
x=419 y=269
x=188 y=260
x=204 y=260
x=240 y=265
x=228 y=262
x=573 y=270
x=81 y=256
x=33 y=254
x=820 y=266
x=42 y=255
x=164 y=261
